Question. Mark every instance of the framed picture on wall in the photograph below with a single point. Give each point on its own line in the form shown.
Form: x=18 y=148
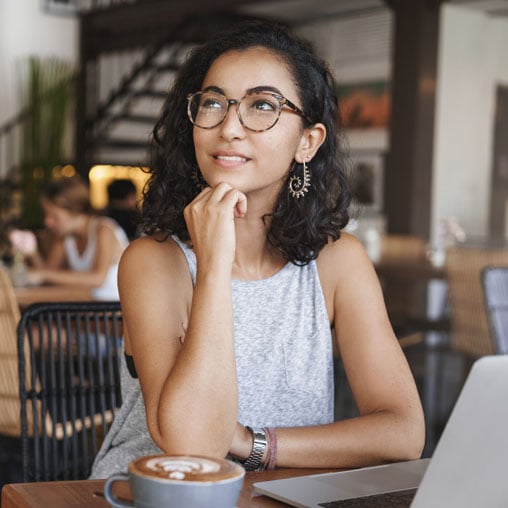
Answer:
x=365 y=104
x=367 y=179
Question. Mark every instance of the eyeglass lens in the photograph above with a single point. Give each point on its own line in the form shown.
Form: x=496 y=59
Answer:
x=257 y=111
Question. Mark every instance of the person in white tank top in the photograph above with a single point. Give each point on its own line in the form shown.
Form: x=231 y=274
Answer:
x=86 y=248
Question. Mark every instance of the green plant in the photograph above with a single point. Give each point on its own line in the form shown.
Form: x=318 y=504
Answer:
x=48 y=94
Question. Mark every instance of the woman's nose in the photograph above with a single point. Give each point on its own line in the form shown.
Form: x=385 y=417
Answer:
x=231 y=127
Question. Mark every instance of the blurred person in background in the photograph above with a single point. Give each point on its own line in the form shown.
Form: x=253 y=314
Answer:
x=123 y=205
x=85 y=249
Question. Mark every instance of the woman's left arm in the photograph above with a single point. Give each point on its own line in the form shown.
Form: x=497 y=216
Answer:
x=390 y=425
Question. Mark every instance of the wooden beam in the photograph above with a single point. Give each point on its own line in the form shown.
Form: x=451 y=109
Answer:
x=408 y=175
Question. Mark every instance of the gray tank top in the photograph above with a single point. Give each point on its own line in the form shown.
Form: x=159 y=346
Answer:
x=284 y=363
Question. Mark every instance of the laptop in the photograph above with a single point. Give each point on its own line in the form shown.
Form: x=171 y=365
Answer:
x=469 y=467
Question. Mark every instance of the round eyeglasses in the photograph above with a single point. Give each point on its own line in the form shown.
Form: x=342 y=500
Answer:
x=257 y=111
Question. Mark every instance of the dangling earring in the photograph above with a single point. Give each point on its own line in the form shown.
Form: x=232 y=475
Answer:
x=298 y=186
x=198 y=179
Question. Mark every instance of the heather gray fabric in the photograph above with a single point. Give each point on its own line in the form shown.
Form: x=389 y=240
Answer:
x=284 y=363
x=128 y=437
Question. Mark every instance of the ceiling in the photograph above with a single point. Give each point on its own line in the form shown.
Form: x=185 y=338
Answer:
x=298 y=11
x=294 y=11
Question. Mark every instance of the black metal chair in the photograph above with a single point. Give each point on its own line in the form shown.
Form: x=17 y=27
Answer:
x=495 y=291
x=69 y=381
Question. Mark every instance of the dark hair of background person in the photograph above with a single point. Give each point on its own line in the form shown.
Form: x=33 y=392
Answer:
x=120 y=189
x=298 y=228
x=122 y=205
x=69 y=193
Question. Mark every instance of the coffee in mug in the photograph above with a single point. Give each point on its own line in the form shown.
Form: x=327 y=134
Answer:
x=177 y=481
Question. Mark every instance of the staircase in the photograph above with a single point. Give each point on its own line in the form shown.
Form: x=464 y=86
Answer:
x=129 y=85
x=119 y=130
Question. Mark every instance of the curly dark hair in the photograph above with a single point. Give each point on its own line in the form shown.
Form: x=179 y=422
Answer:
x=298 y=228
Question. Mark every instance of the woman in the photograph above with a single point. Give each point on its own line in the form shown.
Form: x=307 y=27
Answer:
x=86 y=248
x=229 y=324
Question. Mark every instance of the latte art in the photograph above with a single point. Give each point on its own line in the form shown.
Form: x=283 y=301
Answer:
x=186 y=468
x=180 y=468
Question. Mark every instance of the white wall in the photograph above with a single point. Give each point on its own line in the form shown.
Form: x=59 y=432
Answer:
x=357 y=48
x=472 y=60
x=25 y=31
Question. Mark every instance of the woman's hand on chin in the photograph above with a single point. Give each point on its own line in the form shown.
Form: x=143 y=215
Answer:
x=210 y=221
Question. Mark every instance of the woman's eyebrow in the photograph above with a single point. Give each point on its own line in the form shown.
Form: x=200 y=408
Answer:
x=256 y=89
x=213 y=88
x=264 y=88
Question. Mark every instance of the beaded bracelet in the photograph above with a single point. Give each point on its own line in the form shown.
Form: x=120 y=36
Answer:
x=272 y=450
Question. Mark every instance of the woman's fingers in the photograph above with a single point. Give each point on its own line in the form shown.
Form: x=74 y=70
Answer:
x=223 y=194
x=241 y=206
x=236 y=200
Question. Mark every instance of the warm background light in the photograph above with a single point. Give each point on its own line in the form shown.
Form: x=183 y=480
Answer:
x=102 y=175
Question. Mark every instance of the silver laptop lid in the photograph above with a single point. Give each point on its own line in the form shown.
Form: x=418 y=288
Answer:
x=469 y=467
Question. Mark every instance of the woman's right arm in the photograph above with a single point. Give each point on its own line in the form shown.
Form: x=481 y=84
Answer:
x=55 y=259
x=182 y=338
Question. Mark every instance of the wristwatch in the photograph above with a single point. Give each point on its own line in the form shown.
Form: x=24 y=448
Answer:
x=259 y=444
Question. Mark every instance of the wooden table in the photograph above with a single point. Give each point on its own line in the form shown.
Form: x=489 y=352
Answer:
x=82 y=493
x=56 y=293
x=417 y=270
x=406 y=257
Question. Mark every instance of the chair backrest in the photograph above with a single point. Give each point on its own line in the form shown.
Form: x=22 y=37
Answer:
x=469 y=326
x=405 y=297
x=9 y=392
x=69 y=385
x=495 y=290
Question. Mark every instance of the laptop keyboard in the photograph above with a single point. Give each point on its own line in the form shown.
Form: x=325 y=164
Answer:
x=400 y=499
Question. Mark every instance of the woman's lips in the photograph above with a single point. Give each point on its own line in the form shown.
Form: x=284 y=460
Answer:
x=230 y=160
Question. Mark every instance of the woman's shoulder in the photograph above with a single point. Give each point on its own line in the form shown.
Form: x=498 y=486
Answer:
x=346 y=246
x=154 y=251
x=110 y=226
x=155 y=245
x=104 y=222
x=153 y=273
x=343 y=257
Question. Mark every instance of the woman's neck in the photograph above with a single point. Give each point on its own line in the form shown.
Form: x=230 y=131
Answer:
x=255 y=258
x=81 y=231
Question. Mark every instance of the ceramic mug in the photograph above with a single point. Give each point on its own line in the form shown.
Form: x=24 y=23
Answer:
x=176 y=481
